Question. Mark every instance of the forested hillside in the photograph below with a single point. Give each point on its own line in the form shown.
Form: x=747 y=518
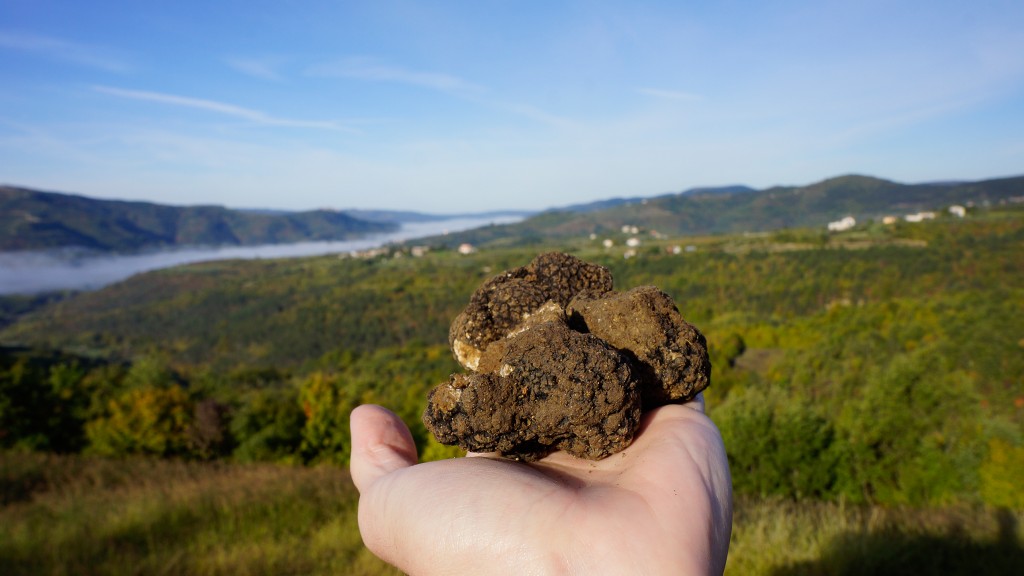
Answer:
x=33 y=220
x=881 y=366
x=738 y=209
x=811 y=335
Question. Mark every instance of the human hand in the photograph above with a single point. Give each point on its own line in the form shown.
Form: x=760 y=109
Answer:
x=661 y=506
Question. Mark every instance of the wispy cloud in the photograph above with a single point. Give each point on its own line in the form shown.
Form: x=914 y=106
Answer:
x=262 y=68
x=373 y=70
x=668 y=94
x=65 y=51
x=222 y=108
x=536 y=114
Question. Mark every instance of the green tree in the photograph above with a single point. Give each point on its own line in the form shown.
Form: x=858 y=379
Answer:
x=147 y=420
x=776 y=444
x=267 y=425
x=43 y=403
x=913 y=434
x=1001 y=475
x=325 y=435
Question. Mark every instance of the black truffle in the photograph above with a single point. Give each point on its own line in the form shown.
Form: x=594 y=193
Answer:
x=503 y=302
x=563 y=363
x=552 y=389
x=671 y=355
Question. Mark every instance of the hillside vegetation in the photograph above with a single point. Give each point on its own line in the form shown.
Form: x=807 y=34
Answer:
x=145 y=516
x=738 y=209
x=33 y=220
x=868 y=383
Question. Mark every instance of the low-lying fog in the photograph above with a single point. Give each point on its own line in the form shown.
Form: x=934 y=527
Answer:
x=32 y=272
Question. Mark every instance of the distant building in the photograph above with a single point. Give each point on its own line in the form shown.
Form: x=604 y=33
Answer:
x=633 y=242
x=890 y=220
x=843 y=224
x=608 y=243
x=466 y=249
x=958 y=211
x=919 y=217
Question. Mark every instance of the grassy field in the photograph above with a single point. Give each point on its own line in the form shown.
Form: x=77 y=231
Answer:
x=74 y=515
x=77 y=515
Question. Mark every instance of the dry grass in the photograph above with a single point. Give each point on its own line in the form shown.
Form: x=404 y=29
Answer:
x=776 y=537
x=72 y=515
x=75 y=515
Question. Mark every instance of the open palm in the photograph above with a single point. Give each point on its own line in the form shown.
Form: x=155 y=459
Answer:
x=662 y=506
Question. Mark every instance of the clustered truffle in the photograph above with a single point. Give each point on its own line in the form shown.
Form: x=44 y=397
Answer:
x=558 y=360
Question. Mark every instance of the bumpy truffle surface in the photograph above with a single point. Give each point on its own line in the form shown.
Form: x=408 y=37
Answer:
x=671 y=355
x=561 y=362
x=502 y=303
x=562 y=276
x=553 y=389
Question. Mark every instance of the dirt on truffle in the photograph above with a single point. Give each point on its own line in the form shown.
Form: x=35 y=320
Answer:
x=560 y=361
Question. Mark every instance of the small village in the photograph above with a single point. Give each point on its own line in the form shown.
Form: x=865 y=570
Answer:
x=848 y=222
x=633 y=241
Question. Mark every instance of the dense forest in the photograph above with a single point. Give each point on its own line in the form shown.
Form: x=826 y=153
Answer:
x=881 y=366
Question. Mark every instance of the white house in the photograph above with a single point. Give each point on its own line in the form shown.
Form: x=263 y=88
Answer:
x=843 y=224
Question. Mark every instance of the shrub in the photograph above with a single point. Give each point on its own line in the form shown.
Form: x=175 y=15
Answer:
x=267 y=425
x=1001 y=475
x=776 y=445
x=148 y=420
x=913 y=433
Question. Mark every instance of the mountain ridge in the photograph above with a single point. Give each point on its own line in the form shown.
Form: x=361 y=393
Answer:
x=37 y=220
x=34 y=220
x=778 y=207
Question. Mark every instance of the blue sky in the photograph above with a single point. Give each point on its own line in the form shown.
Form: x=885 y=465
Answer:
x=469 y=106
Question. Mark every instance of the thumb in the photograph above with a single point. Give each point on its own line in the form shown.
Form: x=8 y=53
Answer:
x=381 y=444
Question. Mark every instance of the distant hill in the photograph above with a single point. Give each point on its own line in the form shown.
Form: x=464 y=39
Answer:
x=32 y=220
x=35 y=220
x=708 y=190
x=741 y=209
x=400 y=216
x=616 y=202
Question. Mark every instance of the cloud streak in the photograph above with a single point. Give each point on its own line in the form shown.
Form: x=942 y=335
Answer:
x=261 y=68
x=64 y=50
x=667 y=94
x=372 y=70
x=221 y=108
